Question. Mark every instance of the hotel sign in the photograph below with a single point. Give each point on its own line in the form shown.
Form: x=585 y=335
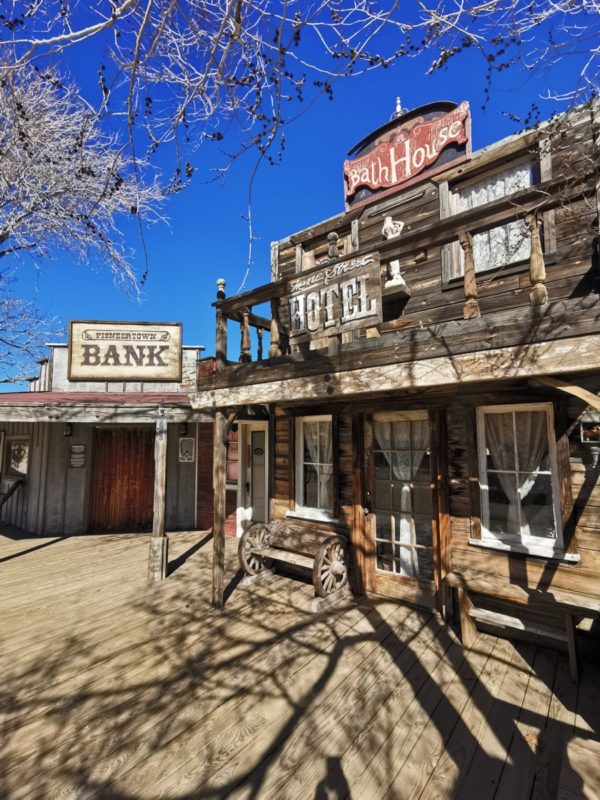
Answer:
x=406 y=151
x=336 y=298
x=124 y=351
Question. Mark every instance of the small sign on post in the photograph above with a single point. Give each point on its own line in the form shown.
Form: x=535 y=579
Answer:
x=124 y=351
x=336 y=298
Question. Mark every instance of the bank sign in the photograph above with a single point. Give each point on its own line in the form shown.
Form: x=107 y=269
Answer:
x=407 y=152
x=124 y=351
x=335 y=299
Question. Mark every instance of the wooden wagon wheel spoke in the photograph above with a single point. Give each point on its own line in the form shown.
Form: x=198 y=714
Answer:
x=330 y=570
x=254 y=539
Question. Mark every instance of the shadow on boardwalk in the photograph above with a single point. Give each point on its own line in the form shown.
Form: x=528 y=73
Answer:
x=115 y=689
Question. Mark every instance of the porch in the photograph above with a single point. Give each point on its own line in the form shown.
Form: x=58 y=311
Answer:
x=116 y=689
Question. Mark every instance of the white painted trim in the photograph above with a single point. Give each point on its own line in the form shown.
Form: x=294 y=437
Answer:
x=555 y=554
x=527 y=544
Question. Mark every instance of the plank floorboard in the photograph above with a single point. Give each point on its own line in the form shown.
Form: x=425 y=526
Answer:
x=119 y=690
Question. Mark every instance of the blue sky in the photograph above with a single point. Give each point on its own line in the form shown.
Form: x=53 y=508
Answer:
x=207 y=235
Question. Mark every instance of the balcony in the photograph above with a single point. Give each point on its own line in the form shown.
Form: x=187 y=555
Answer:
x=507 y=314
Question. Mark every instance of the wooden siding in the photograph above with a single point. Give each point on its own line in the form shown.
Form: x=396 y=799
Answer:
x=570 y=272
x=16 y=510
x=59 y=381
x=514 y=570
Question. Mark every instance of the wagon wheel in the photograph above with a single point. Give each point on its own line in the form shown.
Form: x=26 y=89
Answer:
x=330 y=570
x=256 y=537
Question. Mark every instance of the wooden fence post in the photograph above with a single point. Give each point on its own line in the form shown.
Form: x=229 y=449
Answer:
x=159 y=544
x=219 y=455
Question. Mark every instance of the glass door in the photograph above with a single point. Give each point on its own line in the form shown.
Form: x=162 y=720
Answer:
x=400 y=502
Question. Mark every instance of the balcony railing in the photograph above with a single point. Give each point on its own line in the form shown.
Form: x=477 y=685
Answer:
x=265 y=338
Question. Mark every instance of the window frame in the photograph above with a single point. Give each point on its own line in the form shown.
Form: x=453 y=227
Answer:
x=540 y=159
x=301 y=510
x=8 y=441
x=529 y=545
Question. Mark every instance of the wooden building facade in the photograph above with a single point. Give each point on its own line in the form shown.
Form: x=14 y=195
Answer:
x=427 y=370
x=80 y=456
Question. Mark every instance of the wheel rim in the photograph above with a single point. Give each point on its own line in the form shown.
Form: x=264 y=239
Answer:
x=333 y=573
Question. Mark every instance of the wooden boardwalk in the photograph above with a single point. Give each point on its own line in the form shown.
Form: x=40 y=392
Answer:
x=115 y=689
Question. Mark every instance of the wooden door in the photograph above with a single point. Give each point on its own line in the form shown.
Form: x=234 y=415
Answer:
x=123 y=479
x=400 y=523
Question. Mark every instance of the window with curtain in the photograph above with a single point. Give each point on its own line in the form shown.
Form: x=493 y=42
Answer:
x=314 y=464
x=497 y=247
x=518 y=476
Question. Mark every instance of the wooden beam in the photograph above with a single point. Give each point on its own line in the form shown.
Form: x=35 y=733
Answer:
x=158 y=549
x=569 y=388
x=95 y=414
x=533 y=360
x=219 y=455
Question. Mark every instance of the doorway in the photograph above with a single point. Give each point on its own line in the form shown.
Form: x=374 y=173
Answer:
x=399 y=525
x=122 y=492
x=253 y=494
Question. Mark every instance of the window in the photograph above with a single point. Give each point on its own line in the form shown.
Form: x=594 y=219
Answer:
x=518 y=478
x=232 y=459
x=314 y=466
x=499 y=246
x=17 y=457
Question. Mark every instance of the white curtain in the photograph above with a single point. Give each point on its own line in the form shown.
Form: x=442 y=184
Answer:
x=518 y=476
x=508 y=243
x=402 y=437
x=317 y=438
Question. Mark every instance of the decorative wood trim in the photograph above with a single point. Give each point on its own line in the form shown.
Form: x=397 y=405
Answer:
x=537 y=269
x=369 y=490
x=441 y=506
x=570 y=388
x=548 y=217
x=219 y=493
x=539 y=358
x=358 y=532
x=473 y=467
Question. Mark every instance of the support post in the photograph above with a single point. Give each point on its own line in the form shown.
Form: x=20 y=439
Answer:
x=275 y=345
x=245 y=349
x=259 y=346
x=468 y=629
x=538 y=296
x=219 y=456
x=471 y=307
x=221 y=335
x=159 y=544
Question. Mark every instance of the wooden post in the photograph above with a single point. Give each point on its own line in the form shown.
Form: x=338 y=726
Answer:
x=275 y=345
x=259 y=346
x=245 y=349
x=471 y=307
x=221 y=337
x=468 y=629
x=159 y=544
x=538 y=295
x=219 y=456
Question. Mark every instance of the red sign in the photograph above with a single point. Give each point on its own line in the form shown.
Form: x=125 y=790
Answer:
x=407 y=153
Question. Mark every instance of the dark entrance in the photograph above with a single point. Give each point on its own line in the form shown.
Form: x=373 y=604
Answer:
x=123 y=485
